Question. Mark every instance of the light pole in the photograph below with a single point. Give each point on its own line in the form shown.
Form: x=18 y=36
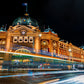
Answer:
x=70 y=55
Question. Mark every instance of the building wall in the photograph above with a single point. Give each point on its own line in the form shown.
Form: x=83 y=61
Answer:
x=47 y=41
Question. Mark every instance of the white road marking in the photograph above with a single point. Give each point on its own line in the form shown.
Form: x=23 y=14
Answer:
x=73 y=80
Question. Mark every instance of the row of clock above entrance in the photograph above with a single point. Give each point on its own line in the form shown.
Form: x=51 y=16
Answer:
x=22 y=39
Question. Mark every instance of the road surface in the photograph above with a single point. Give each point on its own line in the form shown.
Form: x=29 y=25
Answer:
x=24 y=78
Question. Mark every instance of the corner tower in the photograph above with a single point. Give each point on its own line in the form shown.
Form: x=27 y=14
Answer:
x=23 y=33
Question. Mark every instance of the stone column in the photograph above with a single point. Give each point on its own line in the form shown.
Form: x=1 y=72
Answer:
x=70 y=51
x=58 y=48
x=37 y=44
x=8 y=41
x=50 y=47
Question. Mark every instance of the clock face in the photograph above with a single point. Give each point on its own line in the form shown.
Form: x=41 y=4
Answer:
x=23 y=32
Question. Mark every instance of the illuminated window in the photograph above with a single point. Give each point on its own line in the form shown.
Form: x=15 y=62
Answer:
x=25 y=39
x=15 y=39
x=54 y=44
x=45 y=49
x=44 y=43
x=30 y=39
x=54 y=51
x=3 y=42
x=20 y=39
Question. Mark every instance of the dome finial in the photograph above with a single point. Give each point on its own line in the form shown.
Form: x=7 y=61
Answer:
x=26 y=14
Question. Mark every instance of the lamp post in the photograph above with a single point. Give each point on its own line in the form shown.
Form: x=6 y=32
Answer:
x=70 y=51
x=70 y=54
x=40 y=35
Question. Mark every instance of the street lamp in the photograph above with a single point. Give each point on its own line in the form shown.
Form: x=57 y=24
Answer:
x=72 y=58
x=70 y=54
x=40 y=35
x=70 y=50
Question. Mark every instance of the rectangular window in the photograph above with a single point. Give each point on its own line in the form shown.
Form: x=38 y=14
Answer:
x=25 y=39
x=30 y=39
x=20 y=40
x=15 y=39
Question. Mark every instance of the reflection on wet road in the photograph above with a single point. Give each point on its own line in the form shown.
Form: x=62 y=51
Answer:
x=72 y=78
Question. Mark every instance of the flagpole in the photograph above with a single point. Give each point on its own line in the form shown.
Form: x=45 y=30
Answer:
x=27 y=8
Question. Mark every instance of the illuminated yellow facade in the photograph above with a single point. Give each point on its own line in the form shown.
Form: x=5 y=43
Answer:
x=25 y=33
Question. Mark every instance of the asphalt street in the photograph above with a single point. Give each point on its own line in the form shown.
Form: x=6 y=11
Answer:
x=12 y=78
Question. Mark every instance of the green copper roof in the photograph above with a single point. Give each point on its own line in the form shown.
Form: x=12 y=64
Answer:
x=25 y=21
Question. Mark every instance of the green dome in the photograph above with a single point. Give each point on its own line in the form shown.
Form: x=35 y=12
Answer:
x=25 y=21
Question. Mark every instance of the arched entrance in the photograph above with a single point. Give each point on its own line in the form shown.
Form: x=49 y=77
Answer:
x=22 y=50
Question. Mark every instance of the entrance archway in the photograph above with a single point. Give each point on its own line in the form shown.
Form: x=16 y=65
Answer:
x=22 y=50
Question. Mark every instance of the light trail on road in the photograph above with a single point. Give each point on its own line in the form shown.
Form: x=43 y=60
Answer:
x=73 y=80
x=42 y=73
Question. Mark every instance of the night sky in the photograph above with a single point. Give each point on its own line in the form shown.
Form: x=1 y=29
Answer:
x=65 y=17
